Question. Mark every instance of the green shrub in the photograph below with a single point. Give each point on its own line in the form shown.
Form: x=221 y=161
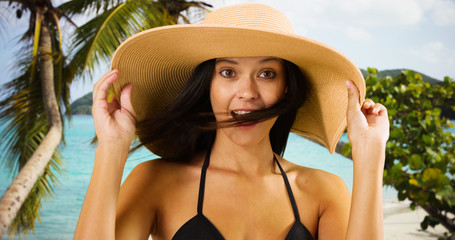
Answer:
x=420 y=151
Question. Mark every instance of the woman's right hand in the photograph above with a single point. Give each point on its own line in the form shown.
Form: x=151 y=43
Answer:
x=115 y=126
x=114 y=120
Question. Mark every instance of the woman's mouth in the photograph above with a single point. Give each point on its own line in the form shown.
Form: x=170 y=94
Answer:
x=242 y=122
x=236 y=113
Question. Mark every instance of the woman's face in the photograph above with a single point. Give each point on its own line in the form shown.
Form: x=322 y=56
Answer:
x=241 y=85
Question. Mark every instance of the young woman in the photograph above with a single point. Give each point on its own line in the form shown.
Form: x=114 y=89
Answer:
x=217 y=101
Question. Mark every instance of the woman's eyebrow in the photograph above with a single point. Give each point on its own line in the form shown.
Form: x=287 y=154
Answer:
x=271 y=59
x=226 y=60
x=236 y=63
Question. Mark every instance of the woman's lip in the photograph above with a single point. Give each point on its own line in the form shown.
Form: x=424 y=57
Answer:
x=245 y=109
x=246 y=126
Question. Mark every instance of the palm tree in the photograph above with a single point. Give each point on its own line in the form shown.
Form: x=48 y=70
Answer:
x=42 y=85
x=31 y=113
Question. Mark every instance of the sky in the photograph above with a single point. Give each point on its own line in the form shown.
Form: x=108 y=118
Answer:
x=384 y=34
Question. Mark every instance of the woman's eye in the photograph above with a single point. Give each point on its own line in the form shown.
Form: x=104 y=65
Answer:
x=227 y=73
x=267 y=74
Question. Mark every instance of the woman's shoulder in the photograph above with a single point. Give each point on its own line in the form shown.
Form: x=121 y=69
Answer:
x=160 y=168
x=158 y=165
x=316 y=180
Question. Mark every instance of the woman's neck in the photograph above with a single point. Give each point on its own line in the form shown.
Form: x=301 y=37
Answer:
x=254 y=159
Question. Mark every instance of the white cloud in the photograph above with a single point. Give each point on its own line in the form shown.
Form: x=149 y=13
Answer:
x=329 y=13
x=358 y=34
x=434 y=53
x=380 y=12
x=443 y=13
x=366 y=13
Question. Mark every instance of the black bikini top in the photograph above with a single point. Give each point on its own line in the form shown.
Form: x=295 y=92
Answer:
x=200 y=227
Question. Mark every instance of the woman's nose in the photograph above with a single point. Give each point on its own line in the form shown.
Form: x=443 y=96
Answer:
x=247 y=89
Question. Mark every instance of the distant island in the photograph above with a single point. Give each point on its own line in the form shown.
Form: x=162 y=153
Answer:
x=396 y=72
x=83 y=105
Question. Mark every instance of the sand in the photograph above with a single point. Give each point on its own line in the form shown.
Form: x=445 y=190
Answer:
x=401 y=223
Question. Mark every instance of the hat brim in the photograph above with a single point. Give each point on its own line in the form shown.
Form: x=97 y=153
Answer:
x=159 y=62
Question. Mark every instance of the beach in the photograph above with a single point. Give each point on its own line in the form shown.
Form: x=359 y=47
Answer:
x=401 y=223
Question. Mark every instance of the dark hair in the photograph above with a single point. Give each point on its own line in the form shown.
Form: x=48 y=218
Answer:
x=188 y=126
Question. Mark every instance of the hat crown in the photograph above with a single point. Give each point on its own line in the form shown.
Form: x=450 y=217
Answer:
x=250 y=15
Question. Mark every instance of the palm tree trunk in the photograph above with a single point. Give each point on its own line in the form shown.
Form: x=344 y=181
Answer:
x=19 y=189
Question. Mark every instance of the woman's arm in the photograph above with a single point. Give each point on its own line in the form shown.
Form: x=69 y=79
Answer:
x=98 y=213
x=365 y=221
x=115 y=128
x=359 y=216
x=368 y=131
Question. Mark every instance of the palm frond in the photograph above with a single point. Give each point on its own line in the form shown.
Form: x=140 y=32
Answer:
x=82 y=6
x=95 y=42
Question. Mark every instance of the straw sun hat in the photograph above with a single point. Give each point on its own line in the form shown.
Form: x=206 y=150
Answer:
x=159 y=62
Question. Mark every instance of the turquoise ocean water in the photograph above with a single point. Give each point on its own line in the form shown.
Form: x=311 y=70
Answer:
x=59 y=215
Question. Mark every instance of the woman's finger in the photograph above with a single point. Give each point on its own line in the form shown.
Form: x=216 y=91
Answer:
x=375 y=109
x=101 y=80
x=353 y=98
x=113 y=105
x=367 y=105
x=125 y=99
x=101 y=87
x=382 y=110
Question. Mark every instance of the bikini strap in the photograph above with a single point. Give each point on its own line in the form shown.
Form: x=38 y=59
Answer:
x=200 y=200
x=288 y=188
x=202 y=186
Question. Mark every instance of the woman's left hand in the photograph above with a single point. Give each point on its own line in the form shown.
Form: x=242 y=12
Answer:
x=367 y=123
x=368 y=131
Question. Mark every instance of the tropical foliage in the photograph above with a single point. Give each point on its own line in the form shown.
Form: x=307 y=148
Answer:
x=37 y=91
x=23 y=112
x=420 y=155
x=95 y=42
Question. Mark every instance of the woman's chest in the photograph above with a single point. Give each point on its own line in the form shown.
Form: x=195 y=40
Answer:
x=237 y=210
